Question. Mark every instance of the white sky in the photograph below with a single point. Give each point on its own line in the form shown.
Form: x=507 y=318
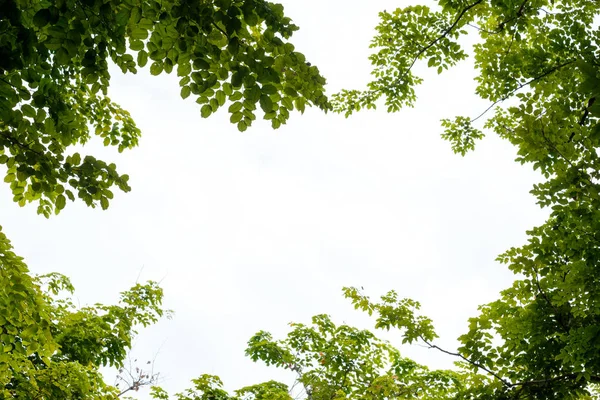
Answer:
x=250 y=231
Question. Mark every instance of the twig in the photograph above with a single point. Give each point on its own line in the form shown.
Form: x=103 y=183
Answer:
x=521 y=86
x=545 y=296
x=440 y=37
x=474 y=363
x=220 y=29
x=10 y=84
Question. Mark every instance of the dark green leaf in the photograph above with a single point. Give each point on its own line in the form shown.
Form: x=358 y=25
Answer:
x=266 y=103
x=42 y=18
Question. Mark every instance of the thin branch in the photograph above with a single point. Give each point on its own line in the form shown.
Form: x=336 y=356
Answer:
x=553 y=147
x=521 y=86
x=593 y=378
x=474 y=363
x=15 y=142
x=17 y=88
x=431 y=44
x=447 y=31
x=343 y=381
x=220 y=29
x=440 y=37
x=545 y=296
x=480 y=29
x=521 y=384
x=586 y=112
x=520 y=11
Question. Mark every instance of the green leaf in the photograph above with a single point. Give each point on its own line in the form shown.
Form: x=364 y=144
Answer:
x=253 y=94
x=42 y=18
x=201 y=63
x=270 y=115
x=136 y=45
x=222 y=73
x=266 y=103
x=237 y=79
x=62 y=56
x=70 y=195
x=235 y=107
x=251 y=19
x=236 y=117
x=76 y=159
x=60 y=202
x=287 y=103
x=221 y=97
x=206 y=111
x=104 y=203
x=156 y=68
x=300 y=104
x=28 y=111
x=184 y=69
x=168 y=65
x=142 y=58
x=185 y=92
x=290 y=92
x=269 y=89
x=139 y=33
x=122 y=16
x=236 y=96
x=234 y=46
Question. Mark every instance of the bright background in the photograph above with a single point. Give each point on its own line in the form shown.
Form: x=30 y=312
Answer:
x=250 y=231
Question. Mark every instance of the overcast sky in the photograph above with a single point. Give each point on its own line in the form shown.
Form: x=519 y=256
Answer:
x=249 y=231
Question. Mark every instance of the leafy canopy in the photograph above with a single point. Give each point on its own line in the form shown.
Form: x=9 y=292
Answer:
x=54 y=80
x=538 y=64
x=338 y=362
x=51 y=349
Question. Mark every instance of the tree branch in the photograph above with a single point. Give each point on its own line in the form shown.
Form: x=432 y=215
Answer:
x=474 y=363
x=444 y=33
x=521 y=86
x=545 y=296
x=431 y=44
x=17 y=88
x=219 y=28
x=593 y=378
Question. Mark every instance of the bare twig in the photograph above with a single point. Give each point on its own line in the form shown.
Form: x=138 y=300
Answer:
x=137 y=377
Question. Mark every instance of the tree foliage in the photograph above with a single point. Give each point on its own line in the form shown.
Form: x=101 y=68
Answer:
x=541 y=338
x=337 y=362
x=52 y=349
x=54 y=80
x=537 y=63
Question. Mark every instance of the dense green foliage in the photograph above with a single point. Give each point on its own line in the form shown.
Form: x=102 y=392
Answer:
x=54 y=80
x=537 y=63
x=541 y=339
x=52 y=349
x=334 y=362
